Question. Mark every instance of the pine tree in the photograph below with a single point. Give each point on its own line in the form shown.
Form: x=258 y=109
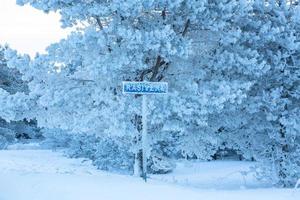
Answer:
x=11 y=85
x=265 y=127
x=232 y=68
x=77 y=84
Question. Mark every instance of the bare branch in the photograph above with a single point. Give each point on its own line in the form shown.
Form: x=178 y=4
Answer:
x=156 y=68
x=186 y=26
x=144 y=73
x=164 y=13
x=99 y=23
x=81 y=80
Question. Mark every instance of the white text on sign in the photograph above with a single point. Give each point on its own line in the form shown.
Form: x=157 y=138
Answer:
x=130 y=87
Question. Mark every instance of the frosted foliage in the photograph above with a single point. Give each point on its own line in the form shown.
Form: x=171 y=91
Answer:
x=77 y=85
x=265 y=126
x=14 y=105
x=232 y=69
x=107 y=153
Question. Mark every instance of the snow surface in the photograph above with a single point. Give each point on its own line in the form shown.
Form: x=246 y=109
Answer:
x=47 y=175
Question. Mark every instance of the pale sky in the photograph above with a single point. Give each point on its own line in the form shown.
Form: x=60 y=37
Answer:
x=26 y=29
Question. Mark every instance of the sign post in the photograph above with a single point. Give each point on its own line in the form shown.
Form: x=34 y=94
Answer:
x=144 y=88
x=144 y=136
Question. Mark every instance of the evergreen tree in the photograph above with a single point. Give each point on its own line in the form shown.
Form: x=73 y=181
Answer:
x=232 y=68
x=265 y=126
x=77 y=84
x=11 y=85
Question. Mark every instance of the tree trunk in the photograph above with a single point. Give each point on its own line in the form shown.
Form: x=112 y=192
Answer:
x=138 y=156
x=138 y=164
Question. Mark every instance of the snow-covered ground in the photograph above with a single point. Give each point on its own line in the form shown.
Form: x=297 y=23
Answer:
x=47 y=175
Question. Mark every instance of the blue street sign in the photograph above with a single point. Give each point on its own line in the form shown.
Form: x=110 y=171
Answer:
x=130 y=87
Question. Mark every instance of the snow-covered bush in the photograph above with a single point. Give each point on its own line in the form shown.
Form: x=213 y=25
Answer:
x=7 y=136
x=55 y=139
x=112 y=154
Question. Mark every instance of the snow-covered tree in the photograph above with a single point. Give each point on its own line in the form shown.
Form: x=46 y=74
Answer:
x=265 y=126
x=278 y=99
x=12 y=91
x=77 y=84
x=232 y=69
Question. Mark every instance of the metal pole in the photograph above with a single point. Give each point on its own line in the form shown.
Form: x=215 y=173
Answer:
x=144 y=136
